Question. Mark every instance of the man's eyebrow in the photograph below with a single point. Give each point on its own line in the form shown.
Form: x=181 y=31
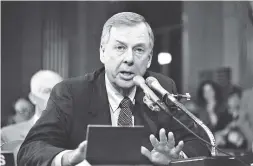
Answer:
x=121 y=42
x=140 y=44
x=137 y=45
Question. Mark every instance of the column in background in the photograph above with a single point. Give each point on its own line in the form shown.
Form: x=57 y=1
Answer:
x=54 y=43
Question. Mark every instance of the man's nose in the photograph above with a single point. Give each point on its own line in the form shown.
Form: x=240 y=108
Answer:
x=129 y=57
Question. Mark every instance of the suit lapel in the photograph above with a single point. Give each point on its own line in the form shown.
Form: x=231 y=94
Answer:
x=99 y=111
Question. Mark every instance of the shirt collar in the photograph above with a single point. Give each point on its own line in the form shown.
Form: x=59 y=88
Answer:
x=114 y=96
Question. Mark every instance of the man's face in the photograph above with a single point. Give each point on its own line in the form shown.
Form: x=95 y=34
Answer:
x=126 y=54
x=208 y=91
x=234 y=104
x=23 y=110
x=40 y=100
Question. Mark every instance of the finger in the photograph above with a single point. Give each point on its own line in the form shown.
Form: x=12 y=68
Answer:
x=154 y=141
x=179 y=147
x=82 y=146
x=162 y=135
x=146 y=152
x=171 y=140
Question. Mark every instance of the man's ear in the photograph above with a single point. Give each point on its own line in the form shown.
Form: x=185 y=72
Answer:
x=32 y=98
x=102 y=55
x=150 y=59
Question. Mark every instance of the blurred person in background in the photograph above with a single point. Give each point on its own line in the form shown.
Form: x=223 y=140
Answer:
x=24 y=110
x=246 y=116
x=211 y=108
x=231 y=137
x=41 y=85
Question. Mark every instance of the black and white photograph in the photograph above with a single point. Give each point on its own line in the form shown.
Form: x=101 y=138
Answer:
x=111 y=83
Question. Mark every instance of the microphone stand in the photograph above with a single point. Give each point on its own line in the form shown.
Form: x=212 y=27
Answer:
x=195 y=119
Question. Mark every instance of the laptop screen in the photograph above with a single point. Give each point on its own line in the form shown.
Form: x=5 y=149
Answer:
x=115 y=145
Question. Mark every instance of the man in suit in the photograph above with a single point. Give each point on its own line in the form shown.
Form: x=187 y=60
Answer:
x=105 y=97
x=41 y=84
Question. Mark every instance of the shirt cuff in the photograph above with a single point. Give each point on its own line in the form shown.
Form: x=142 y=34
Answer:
x=84 y=163
x=57 y=159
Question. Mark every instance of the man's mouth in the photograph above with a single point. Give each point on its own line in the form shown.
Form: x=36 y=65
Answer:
x=126 y=75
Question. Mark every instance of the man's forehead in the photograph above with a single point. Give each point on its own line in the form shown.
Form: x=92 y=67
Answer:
x=123 y=32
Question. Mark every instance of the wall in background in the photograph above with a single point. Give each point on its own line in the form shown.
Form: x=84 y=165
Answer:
x=203 y=44
x=215 y=35
x=10 y=64
x=238 y=42
x=20 y=51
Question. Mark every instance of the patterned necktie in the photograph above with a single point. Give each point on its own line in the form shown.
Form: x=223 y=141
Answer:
x=125 y=115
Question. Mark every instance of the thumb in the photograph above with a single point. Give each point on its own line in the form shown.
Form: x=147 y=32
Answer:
x=75 y=156
x=146 y=152
x=82 y=147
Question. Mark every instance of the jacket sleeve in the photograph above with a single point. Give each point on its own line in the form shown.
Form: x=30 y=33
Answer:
x=49 y=136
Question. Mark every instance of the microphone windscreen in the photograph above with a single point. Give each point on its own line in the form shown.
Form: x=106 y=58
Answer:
x=150 y=80
x=138 y=80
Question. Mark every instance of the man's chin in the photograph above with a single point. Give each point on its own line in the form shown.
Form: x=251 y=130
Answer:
x=126 y=84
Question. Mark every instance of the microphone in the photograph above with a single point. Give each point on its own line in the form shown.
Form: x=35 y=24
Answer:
x=139 y=81
x=154 y=84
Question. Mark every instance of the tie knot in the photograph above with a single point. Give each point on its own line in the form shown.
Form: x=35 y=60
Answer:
x=126 y=103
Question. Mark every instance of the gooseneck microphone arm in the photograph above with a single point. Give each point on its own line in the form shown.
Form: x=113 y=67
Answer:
x=195 y=119
x=139 y=81
x=154 y=84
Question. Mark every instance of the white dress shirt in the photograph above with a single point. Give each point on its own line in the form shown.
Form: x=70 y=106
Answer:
x=115 y=98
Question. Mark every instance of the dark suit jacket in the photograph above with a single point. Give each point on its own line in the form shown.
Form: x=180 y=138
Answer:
x=77 y=102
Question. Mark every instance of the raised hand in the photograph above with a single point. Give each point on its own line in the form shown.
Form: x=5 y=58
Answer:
x=164 y=150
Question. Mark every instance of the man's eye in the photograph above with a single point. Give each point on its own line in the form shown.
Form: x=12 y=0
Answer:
x=139 y=50
x=120 y=48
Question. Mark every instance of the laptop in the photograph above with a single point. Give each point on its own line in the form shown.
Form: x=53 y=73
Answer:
x=115 y=145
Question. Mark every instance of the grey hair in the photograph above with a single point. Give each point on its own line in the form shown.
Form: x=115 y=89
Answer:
x=44 y=79
x=125 y=18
